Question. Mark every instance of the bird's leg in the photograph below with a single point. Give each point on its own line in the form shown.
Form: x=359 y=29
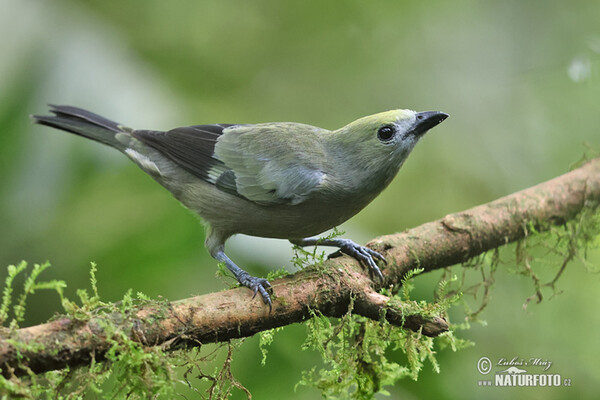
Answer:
x=363 y=254
x=215 y=243
x=258 y=285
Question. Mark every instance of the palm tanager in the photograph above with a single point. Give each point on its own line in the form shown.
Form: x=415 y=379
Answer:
x=276 y=180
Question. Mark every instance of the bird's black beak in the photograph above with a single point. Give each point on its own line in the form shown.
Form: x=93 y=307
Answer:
x=427 y=120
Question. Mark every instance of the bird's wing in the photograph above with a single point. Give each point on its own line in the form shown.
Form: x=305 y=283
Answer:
x=256 y=162
x=191 y=148
x=276 y=163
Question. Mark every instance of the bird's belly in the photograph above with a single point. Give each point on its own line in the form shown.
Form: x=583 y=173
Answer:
x=232 y=214
x=292 y=222
x=308 y=218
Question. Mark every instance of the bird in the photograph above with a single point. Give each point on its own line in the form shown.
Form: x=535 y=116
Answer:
x=282 y=180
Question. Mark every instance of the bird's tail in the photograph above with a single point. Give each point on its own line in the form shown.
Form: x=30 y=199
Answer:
x=82 y=123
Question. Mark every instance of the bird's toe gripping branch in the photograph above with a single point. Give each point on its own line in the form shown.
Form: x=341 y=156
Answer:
x=363 y=254
x=258 y=285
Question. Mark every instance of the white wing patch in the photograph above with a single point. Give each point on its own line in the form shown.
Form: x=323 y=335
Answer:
x=143 y=161
x=214 y=173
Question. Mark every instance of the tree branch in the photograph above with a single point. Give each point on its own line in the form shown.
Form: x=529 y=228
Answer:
x=329 y=288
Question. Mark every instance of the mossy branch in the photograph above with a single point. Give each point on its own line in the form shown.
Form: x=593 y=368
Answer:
x=329 y=289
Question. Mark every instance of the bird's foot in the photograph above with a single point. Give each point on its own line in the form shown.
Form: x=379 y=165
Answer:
x=363 y=254
x=258 y=285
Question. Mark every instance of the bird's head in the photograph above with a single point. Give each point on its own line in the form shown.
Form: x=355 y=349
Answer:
x=388 y=136
x=380 y=143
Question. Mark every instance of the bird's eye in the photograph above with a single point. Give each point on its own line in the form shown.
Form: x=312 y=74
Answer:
x=385 y=133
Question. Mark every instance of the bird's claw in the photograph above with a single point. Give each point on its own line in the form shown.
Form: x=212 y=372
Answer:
x=258 y=285
x=364 y=255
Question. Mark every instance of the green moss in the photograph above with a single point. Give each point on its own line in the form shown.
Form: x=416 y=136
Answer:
x=557 y=247
x=130 y=370
x=265 y=338
x=360 y=356
x=29 y=287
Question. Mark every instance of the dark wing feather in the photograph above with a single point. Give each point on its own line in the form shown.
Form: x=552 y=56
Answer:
x=226 y=182
x=190 y=147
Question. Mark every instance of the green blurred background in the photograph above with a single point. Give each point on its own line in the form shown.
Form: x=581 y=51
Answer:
x=519 y=80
